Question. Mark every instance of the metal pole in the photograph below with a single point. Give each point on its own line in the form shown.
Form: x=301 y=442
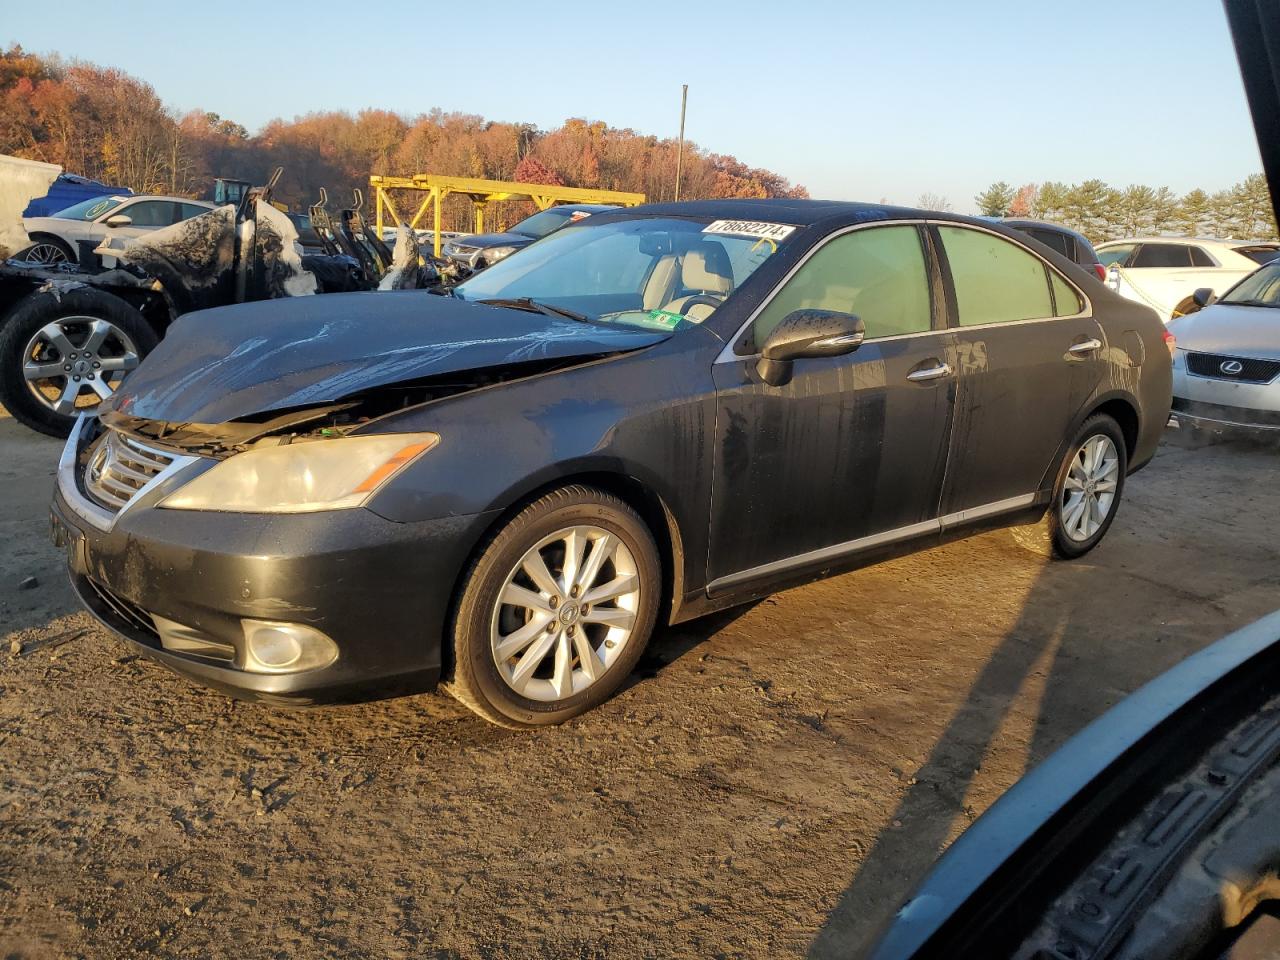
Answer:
x=684 y=99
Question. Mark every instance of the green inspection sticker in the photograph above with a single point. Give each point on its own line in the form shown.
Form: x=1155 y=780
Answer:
x=661 y=320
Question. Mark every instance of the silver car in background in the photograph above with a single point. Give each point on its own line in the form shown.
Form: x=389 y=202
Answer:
x=1226 y=369
x=54 y=238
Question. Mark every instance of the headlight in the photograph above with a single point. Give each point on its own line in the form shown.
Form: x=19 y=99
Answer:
x=494 y=254
x=302 y=477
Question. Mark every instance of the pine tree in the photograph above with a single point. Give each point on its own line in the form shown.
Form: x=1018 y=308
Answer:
x=995 y=200
x=1194 y=214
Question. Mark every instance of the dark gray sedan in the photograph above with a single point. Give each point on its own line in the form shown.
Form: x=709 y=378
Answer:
x=646 y=416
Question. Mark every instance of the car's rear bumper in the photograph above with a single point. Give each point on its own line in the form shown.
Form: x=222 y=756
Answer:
x=381 y=591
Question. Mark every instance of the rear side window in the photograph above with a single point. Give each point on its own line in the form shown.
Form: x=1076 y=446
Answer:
x=1115 y=254
x=190 y=210
x=1199 y=258
x=1163 y=255
x=1055 y=241
x=1066 y=301
x=877 y=273
x=995 y=281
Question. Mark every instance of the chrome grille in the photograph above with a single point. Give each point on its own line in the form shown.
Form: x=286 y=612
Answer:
x=119 y=467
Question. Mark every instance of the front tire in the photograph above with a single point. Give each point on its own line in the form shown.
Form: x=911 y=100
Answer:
x=63 y=351
x=556 y=610
x=1086 y=493
x=48 y=250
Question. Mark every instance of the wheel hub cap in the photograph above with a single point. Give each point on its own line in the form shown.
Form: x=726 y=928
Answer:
x=73 y=363
x=1089 y=490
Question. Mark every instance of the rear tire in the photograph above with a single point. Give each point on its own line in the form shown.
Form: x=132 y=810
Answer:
x=1086 y=493
x=95 y=327
x=556 y=610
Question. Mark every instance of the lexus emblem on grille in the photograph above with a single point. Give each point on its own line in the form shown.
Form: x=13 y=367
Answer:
x=1231 y=367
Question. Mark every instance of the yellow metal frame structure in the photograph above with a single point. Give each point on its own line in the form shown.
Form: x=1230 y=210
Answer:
x=481 y=192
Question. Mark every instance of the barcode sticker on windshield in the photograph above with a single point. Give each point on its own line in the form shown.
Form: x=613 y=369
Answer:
x=751 y=228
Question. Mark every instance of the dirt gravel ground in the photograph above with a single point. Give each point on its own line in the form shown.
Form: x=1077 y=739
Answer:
x=771 y=785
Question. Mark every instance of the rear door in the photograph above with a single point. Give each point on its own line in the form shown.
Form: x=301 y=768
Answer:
x=1029 y=355
x=851 y=452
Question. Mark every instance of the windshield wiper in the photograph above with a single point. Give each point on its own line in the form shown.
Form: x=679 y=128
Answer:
x=534 y=306
x=1250 y=303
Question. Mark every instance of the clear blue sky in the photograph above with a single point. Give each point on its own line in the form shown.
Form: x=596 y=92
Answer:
x=863 y=99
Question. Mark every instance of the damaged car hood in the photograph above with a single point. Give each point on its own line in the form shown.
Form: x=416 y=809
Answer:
x=234 y=362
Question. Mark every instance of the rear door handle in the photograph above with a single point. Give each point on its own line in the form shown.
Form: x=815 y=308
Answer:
x=1085 y=346
x=930 y=373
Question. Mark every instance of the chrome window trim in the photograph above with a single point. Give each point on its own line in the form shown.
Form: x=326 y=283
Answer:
x=848 y=548
x=86 y=509
x=727 y=354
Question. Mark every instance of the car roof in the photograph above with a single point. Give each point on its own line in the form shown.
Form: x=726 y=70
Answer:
x=150 y=196
x=1020 y=222
x=1195 y=241
x=586 y=207
x=800 y=213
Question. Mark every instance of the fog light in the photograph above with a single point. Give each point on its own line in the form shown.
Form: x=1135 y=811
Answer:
x=272 y=647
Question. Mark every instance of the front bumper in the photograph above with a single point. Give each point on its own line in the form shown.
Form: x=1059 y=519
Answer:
x=1224 y=404
x=380 y=590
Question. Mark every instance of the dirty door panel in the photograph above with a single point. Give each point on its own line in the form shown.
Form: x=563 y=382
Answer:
x=1023 y=373
x=849 y=447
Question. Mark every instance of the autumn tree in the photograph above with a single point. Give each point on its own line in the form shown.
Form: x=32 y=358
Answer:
x=1024 y=201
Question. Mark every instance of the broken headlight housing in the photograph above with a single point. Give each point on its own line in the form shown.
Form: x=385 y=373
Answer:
x=303 y=477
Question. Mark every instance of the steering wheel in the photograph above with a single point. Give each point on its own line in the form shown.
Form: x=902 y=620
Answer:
x=704 y=299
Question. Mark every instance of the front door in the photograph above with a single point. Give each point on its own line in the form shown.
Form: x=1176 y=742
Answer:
x=1029 y=356
x=851 y=447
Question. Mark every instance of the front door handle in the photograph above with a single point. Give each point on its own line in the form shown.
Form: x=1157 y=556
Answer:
x=1085 y=346
x=930 y=373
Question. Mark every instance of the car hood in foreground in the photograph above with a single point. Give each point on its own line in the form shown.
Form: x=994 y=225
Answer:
x=1235 y=330
x=234 y=362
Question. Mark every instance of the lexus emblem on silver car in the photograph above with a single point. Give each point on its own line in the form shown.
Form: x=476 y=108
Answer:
x=1231 y=367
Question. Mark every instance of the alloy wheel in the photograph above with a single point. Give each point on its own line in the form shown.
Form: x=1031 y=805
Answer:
x=44 y=252
x=565 y=613
x=1089 y=490
x=76 y=362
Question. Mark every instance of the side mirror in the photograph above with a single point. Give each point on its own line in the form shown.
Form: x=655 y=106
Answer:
x=119 y=220
x=1203 y=297
x=807 y=333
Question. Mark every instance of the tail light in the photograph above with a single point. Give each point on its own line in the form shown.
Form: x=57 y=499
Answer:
x=1170 y=341
x=1101 y=271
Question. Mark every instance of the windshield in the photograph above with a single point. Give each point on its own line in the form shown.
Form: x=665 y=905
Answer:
x=90 y=209
x=540 y=224
x=1260 y=289
x=656 y=273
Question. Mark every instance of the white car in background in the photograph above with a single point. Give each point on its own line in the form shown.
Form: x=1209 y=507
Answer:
x=54 y=238
x=1226 y=367
x=1164 y=272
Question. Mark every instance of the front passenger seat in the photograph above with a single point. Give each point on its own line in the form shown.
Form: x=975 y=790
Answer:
x=705 y=271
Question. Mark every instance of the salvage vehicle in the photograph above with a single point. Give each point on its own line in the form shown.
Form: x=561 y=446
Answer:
x=55 y=238
x=1226 y=370
x=478 y=250
x=69 y=333
x=646 y=416
x=1165 y=272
